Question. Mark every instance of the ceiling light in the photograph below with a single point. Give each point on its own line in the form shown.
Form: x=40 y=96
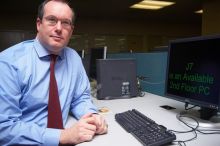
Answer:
x=139 y=6
x=151 y=4
x=199 y=11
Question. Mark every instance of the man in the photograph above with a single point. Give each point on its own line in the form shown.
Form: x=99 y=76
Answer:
x=24 y=85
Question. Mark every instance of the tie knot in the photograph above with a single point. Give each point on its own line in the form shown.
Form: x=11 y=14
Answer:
x=53 y=57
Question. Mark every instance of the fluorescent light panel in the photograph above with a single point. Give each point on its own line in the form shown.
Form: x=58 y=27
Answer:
x=151 y=4
x=199 y=11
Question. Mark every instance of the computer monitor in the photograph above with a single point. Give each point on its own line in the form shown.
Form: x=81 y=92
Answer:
x=94 y=54
x=116 y=78
x=193 y=73
x=81 y=53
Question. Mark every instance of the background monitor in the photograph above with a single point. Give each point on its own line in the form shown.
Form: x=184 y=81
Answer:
x=193 y=73
x=81 y=53
x=94 y=54
x=116 y=78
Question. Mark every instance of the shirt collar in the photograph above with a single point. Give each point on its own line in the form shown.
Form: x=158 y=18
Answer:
x=43 y=52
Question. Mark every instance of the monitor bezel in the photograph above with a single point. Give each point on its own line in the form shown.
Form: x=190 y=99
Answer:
x=186 y=99
x=92 y=71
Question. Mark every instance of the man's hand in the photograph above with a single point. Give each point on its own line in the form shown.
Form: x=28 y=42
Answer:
x=83 y=130
x=101 y=125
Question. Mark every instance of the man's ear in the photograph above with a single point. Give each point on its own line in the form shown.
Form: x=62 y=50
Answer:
x=38 y=23
x=72 y=28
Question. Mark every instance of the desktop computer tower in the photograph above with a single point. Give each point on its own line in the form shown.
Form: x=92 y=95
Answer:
x=116 y=78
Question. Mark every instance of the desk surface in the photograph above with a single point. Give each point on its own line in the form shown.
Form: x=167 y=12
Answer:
x=150 y=106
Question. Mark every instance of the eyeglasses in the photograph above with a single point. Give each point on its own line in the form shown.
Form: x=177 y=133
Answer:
x=52 y=21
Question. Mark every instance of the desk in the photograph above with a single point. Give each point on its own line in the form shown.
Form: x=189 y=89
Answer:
x=150 y=106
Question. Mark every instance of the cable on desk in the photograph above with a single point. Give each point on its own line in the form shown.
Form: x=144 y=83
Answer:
x=180 y=142
x=140 y=91
x=202 y=131
x=141 y=94
x=197 y=129
x=193 y=129
x=187 y=104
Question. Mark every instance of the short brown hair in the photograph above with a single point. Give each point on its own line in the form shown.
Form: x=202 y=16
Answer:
x=40 y=12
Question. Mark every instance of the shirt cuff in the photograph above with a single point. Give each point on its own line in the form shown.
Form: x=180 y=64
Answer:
x=51 y=137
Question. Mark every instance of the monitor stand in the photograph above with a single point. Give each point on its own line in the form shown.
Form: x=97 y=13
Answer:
x=207 y=118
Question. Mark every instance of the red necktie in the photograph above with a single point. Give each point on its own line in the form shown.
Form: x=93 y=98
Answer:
x=54 y=110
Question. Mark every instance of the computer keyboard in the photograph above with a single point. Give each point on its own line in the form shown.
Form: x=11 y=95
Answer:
x=147 y=131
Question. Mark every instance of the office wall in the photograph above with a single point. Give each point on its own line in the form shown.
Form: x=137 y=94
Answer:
x=211 y=17
x=139 y=36
x=151 y=70
x=15 y=28
x=118 y=35
x=9 y=38
x=17 y=21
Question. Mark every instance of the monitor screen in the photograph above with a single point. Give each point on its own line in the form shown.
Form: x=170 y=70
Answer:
x=94 y=54
x=193 y=72
x=81 y=53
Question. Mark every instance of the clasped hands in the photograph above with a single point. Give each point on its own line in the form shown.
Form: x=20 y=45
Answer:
x=84 y=130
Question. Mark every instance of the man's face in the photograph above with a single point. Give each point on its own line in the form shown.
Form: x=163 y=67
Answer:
x=55 y=28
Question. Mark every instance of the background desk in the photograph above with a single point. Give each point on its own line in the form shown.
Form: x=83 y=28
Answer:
x=150 y=106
